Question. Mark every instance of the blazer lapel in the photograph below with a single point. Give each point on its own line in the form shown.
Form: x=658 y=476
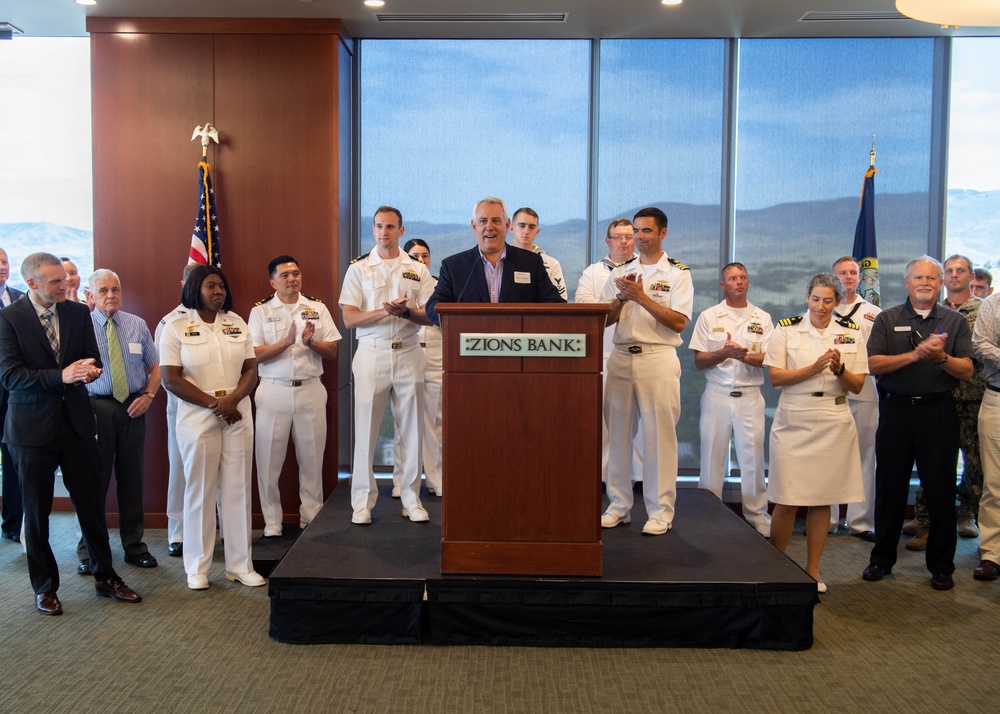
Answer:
x=34 y=327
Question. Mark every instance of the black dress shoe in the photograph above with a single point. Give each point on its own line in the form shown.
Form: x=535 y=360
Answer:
x=865 y=535
x=143 y=560
x=175 y=549
x=84 y=568
x=16 y=537
x=942 y=581
x=986 y=570
x=874 y=573
x=48 y=603
x=117 y=590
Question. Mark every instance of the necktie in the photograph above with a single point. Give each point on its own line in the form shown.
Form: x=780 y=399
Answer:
x=50 y=332
x=119 y=382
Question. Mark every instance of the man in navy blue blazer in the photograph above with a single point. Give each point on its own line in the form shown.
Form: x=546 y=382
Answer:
x=493 y=271
x=10 y=492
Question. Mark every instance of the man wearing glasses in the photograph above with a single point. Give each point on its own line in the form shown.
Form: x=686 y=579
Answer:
x=920 y=351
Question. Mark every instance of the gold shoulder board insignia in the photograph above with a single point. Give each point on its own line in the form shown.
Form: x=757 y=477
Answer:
x=789 y=321
x=677 y=263
x=848 y=323
x=264 y=300
x=310 y=297
x=360 y=257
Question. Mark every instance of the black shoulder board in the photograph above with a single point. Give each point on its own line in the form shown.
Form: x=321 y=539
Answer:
x=848 y=323
x=310 y=297
x=634 y=257
x=789 y=321
x=675 y=262
x=264 y=300
x=361 y=257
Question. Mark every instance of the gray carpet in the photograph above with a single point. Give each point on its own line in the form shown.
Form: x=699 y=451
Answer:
x=895 y=645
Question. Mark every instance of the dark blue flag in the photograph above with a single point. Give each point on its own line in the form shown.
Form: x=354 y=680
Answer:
x=865 y=251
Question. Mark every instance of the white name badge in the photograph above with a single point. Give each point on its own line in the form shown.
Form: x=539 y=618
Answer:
x=901 y=328
x=134 y=348
x=520 y=344
x=522 y=277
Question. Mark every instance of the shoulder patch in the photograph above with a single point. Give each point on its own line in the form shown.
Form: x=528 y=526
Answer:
x=360 y=257
x=314 y=299
x=848 y=323
x=789 y=321
x=264 y=300
x=675 y=263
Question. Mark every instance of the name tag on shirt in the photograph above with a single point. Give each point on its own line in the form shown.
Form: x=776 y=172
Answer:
x=901 y=328
x=273 y=319
x=522 y=277
x=134 y=348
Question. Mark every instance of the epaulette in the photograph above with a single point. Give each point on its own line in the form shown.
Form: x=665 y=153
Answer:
x=676 y=263
x=636 y=257
x=175 y=313
x=848 y=323
x=789 y=321
x=264 y=300
x=360 y=257
x=310 y=297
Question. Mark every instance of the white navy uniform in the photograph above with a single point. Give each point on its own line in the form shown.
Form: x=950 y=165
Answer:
x=864 y=409
x=589 y=289
x=644 y=381
x=814 y=444
x=291 y=401
x=732 y=406
x=175 y=477
x=554 y=268
x=388 y=364
x=217 y=456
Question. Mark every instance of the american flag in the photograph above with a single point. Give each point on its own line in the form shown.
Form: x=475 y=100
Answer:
x=205 y=239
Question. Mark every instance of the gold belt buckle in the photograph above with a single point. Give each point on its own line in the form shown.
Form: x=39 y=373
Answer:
x=635 y=349
x=397 y=344
x=220 y=392
x=296 y=382
x=840 y=400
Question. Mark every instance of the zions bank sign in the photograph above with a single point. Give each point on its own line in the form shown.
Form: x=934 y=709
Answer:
x=519 y=344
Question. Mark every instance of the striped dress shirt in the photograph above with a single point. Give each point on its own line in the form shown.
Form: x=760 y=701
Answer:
x=138 y=351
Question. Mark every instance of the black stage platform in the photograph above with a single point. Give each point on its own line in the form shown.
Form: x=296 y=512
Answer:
x=712 y=581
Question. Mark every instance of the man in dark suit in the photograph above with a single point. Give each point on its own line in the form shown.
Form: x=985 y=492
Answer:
x=47 y=353
x=493 y=271
x=10 y=526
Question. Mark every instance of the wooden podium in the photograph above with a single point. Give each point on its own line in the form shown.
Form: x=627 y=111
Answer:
x=521 y=461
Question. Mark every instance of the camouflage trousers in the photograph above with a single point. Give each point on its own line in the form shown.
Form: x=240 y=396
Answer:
x=970 y=488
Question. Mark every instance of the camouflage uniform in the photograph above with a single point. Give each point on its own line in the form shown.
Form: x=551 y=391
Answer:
x=968 y=397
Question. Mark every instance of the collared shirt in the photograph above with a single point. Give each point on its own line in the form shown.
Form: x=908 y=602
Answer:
x=371 y=281
x=137 y=348
x=590 y=287
x=986 y=339
x=269 y=322
x=862 y=313
x=665 y=282
x=751 y=329
x=970 y=390
x=179 y=310
x=554 y=269
x=895 y=332
x=800 y=345
x=494 y=273
x=211 y=354
x=39 y=310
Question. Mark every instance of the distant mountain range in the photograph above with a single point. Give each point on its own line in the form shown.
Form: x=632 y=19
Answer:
x=21 y=239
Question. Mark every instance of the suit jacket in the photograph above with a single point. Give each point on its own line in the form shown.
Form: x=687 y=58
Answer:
x=15 y=294
x=462 y=280
x=32 y=376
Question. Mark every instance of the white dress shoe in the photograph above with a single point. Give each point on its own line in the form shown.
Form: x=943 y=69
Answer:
x=272 y=530
x=198 y=581
x=253 y=579
x=395 y=491
x=821 y=587
x=654 y=526
x=417 y=515
x=362 y=517
x=610 y=520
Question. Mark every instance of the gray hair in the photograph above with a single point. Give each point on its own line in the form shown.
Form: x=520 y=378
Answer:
x=493 y=201
x=101 y=274
x=826 y=280
x=923 y=259
x=32 y=265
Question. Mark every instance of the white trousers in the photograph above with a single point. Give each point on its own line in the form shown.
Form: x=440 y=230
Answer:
x=741 y=419
x=380 y=375
x=285 y=411
x=644 y=386
x=989 y=449
x=861 y=516
x=218 y=458
x=175 y=478
x=636 y=439
x=430 y=454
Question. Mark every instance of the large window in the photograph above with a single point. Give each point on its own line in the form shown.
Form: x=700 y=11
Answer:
x=46 y=187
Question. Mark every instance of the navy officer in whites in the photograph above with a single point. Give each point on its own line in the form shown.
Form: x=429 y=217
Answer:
x=493 y=270
x=120 y=398
x=292 y=334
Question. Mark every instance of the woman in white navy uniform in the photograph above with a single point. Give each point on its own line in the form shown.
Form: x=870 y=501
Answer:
x=815 y=461
x=208 y=363
x=430 y=448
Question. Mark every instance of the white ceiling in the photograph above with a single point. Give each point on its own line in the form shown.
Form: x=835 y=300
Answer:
x=585 y=18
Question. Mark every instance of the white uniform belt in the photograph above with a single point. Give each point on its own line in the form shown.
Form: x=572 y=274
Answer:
x=638 y=349
x=288 y=382
x=388 y=343
x=731 y=391
x=814 y=397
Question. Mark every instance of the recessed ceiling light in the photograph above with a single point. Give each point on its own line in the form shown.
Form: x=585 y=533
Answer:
x=86 y=2
x=671 y=2
x=374 y=3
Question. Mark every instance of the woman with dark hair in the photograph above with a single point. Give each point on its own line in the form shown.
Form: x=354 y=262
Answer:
x=814 y=360
x=430 y=443
x=208 y=363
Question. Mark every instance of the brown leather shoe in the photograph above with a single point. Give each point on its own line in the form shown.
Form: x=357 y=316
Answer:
x=919 y=541
x=48 y=603
x=986 y=570
x=117 y=590
x=967 y=528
